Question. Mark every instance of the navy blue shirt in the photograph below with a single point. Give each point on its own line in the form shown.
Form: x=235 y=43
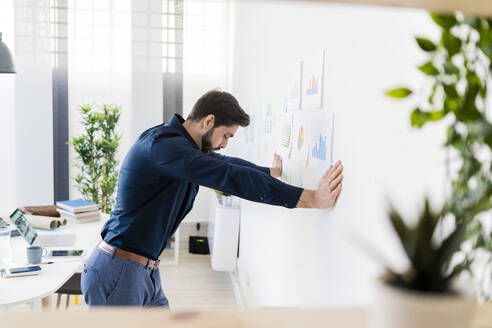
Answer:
x=159 y=180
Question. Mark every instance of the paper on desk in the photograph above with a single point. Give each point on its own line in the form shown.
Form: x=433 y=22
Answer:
x=44 y=222
x=61 y=259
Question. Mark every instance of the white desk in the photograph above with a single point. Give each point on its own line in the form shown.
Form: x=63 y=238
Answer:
x=19 y=290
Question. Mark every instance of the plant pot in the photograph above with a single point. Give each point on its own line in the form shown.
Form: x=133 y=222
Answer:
x=225 y=201
x=397 y=307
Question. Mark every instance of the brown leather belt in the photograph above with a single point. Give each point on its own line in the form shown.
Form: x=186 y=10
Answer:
x=148 y=263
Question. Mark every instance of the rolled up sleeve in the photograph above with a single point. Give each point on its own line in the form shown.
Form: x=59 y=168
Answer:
x=176 y=158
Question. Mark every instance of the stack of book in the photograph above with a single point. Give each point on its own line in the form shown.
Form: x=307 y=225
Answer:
x=78 y=210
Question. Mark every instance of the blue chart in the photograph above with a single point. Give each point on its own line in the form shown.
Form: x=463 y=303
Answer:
x=321 y=144
x=299 y=180
x=268 y=122
x=249 y=132
x=319 y=149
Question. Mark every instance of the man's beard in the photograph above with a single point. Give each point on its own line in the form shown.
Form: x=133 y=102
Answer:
x=207 y=142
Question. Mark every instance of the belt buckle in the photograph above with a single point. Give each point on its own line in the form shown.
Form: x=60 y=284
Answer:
x=154 y=265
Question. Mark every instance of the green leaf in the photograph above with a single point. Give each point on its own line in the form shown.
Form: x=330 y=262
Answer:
x=426 y=44
x=450 y=91
x=450 y=68
x=404 y=233
x=451 y=43
x=451 y=135
x=429 y=69
x=451 y=105
x=433 y=92
x=444 y=21
x=427 y=223
x=399 y=93
x=418 y=117
x=450 y=245
x=472 y=21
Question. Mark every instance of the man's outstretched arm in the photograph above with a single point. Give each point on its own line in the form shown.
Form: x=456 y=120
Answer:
x=177 y=159
x=274 y=171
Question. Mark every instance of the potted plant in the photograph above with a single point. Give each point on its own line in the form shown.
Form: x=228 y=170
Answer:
x=457 y=90
x=96 y=155
x=423 y=295
x=223 y=198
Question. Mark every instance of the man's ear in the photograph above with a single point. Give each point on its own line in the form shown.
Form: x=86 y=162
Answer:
x=209 y=121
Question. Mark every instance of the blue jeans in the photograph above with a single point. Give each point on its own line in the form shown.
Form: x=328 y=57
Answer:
x=111 y=280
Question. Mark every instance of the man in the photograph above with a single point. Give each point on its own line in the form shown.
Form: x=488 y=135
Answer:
x=158 y=182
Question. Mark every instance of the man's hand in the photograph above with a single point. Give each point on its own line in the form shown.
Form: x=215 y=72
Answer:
x=328 y=190
x=329 y=187
x=276 y=169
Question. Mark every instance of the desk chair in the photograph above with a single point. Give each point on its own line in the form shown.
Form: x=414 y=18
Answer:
x=71 y=287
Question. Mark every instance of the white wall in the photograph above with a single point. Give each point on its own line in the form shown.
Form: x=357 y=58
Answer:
x=205 y=67
x=33 y=105
x=7 y=116
x=304 y=257
x=25 y=112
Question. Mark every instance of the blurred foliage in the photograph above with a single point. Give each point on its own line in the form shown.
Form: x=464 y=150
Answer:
x=458 y=67
x=96 y=155
x=431 y=269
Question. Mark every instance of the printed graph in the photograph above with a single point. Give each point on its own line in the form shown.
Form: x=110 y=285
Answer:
x=319 y=149
x=300 y=138
x=299 y=182
x=249 y=132
x=293 y=86
x=313 y=86
x=312 y=81
x=294 y=90
x=286 y=135
x=268 y=122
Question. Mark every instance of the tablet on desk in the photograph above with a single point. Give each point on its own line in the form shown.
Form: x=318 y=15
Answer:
x=35 y=239
x=66 y=253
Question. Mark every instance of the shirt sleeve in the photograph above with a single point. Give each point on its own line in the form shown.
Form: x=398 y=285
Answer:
x=176 y=158
x=239 y=161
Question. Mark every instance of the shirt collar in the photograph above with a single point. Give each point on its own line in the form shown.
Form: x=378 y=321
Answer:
x=177 y=121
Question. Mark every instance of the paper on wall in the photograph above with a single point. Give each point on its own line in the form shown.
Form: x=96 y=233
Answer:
x=294 y=87
x=313 y=81
x=285 y=141
x=321 y=141
x=300 y=145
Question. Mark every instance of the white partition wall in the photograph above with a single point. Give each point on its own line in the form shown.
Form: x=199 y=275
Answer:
x=25 y=110
x=207 y=29
x=306 y=257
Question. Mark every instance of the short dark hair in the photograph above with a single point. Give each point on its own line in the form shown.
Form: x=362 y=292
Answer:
x=223 y=106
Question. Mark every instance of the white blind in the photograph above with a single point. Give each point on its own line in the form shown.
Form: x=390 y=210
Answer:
x=206 y=36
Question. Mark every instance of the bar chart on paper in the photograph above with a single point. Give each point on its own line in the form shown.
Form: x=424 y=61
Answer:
x=320 y=155
x=319 y=148
x=286 y=142
x=300 y=131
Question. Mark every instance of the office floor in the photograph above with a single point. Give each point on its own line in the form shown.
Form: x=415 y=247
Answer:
x=192 y=285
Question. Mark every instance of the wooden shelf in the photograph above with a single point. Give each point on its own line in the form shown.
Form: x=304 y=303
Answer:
x=477 y=7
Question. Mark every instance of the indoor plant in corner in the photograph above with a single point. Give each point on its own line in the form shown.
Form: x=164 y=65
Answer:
x=423 y=296
x=96 y=155
x=223 y=198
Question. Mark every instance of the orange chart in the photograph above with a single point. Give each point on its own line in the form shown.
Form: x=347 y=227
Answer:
x=300 y=138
